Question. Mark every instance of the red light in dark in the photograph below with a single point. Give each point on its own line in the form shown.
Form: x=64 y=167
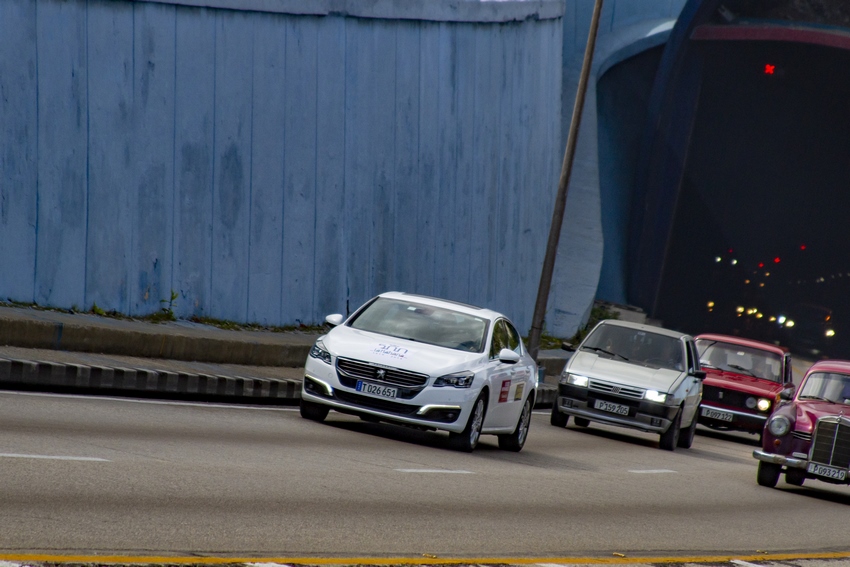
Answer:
x=761 y=264
x=769 y=69
x=776 y=260
x=730 y=250
x=802 y=246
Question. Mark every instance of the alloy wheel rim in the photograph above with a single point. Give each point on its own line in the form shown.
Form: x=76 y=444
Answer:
x=477 y=420
x=524 y=419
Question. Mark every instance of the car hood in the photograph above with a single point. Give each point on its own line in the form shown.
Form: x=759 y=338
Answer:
x=741 y=383
x=404 y=354
x=809 y=411
x=620 y=372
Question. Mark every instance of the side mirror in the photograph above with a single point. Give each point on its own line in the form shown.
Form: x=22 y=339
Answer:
x=508 y=356
x=699 y=374
x=334 y=320
x=787 y=394
x=567 y=346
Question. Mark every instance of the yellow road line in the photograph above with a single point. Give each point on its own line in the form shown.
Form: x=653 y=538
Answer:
x=424 y=560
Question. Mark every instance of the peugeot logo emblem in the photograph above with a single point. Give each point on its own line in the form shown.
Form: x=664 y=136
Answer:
x=381 y=373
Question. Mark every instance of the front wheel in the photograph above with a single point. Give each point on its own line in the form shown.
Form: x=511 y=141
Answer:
x=558 y=418
x=768 y=474
x=686 y=437
x=313 y=411
x=670 y=438
x=516 y=440
x=467 y=439
x=795 y=477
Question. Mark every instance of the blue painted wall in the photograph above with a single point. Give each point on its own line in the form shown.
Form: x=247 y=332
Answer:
x=272 y=166
x=272 y=162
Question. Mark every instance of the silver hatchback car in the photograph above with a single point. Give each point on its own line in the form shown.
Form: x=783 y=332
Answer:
x=632 y=375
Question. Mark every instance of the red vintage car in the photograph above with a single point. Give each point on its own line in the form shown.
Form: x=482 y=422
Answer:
x=808 y=435
x=743 y=381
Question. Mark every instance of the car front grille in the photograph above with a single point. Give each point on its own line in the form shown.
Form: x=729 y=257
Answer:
x=831 y=442
x=376 y=403
x=726 y=397
x=625 y=391
x=359 y=370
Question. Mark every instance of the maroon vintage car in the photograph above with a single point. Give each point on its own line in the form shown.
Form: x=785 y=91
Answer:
x=743 y=381
x=809 y=435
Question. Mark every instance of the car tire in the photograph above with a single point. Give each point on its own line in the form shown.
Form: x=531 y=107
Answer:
x=581 y=421
x=467 y=439
x=795 y=477
x=558 y=418
x=686 y=437
x=516 y=440
x=670 y=438
x=768 y=474
x=313 y=411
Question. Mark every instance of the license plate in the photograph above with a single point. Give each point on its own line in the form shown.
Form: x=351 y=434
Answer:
x=376 y=390
x=716 y=414
x=827 y=472
x=619 y=409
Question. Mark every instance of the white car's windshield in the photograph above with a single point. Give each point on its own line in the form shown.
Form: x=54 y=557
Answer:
x=423 y=323
x=827 y=386
x=635 y=345
x=740 y=359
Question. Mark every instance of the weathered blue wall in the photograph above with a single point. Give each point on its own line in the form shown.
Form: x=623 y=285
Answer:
x=272 y=161
x=276 y=165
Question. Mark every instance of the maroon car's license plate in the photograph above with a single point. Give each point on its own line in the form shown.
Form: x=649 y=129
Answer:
x=715 y=414
x=827 y=472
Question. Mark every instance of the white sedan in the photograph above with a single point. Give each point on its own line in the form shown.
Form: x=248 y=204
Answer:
x=428 y=363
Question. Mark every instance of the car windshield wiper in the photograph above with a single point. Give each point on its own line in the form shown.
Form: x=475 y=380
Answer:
x=608 y=352
x=742 y=369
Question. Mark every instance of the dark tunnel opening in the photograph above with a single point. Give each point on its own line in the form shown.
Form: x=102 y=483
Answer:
x=760 y=245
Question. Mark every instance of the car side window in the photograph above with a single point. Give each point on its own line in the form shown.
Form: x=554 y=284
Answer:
x=693 y=358
x=514 y=341
x=500 y=339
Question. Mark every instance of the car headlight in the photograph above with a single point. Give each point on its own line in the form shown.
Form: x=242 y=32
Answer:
x=654 y=396
x=318 y=351
x=750 y=402
x=457 y=380
x=574 y=379
x=779 y=425
x=763 y=404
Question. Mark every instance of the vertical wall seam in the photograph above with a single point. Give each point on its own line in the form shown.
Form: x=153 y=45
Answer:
x=174 y=203
x=315 y=171
x=37 y=161
x=281 y=308
x=88 y=160
x=251 y=172
x=211 y=228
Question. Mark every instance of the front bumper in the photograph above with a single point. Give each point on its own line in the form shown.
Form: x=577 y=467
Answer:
x=444 y=408
x=740 y=419
x=783 y=460
x=651 y=417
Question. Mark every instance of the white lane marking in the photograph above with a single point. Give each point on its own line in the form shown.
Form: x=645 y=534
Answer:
x=743 y=563
x=438 y=471
x=260 y=565
x=9 y=564
x=652 y=471
x=52 y=457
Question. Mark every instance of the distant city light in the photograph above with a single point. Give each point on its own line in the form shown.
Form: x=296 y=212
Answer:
x=781 y=319
x=830 y=333
x=734 y=262
x=769 y=69
x=717 y=258
x=789 y=323
x=776 y=260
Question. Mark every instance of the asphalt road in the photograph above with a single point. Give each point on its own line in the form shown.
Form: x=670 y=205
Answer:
x=110 y=476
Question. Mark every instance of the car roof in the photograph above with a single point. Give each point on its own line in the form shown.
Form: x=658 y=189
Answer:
x=647 y=328
x=840 y=366
x=741 y=341
x=445 y=303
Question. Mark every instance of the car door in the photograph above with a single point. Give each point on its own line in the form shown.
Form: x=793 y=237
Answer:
x=500 y=377
x=694 y=384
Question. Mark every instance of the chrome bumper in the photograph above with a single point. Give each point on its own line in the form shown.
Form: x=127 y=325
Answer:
x=775 y=459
